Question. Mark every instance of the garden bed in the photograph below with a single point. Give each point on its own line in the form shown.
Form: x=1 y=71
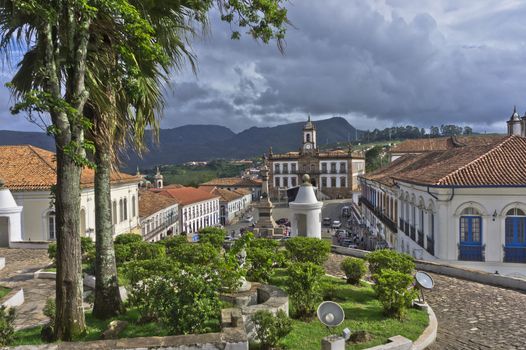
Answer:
x=363 y=312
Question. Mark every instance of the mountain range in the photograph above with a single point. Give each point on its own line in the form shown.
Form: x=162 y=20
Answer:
x=206 y=142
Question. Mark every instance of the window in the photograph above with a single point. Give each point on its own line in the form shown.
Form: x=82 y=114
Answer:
x=432 y=225
x=333 y=167
x=294 y=182
x=515 y=228
x=342 y=182
x=121 y=211
x=312 y=168
x=286 y=182
x=308 y=137
x=470 y=226
x=324 y=182
x=293 y=168
x=52 y=225
x=276 y=182
x=276 y=168
x=422 y=220
x=333 y=182
x=114 y=213
x=324 y=168
x=342 y=167
x=125 y=208
x=285 y=168
x=133 y=207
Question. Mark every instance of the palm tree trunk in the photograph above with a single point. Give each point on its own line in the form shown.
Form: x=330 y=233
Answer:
x=108 y=301
x=69 y=313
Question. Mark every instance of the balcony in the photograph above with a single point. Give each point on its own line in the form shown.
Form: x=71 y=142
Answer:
x=514 y=254
x=383 y=218
x=468 y=252
x=163 y=226
x=430 y=245
x=412 y=232
x=343 y=171
x=421 y=238
x=277 y=171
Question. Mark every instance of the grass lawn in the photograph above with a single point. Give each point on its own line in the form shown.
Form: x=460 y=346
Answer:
x=95 y=327
x=362 y=312
x=4 y=291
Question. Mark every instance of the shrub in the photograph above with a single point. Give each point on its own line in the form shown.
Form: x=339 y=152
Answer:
x=52 y=252
x=7 y=329
x=127 y=238
x=389 y=259
x=195 y=254
x=123 y=253
x=47 y=334
x=213 y=235
x=354 y=269
x=393 y=289
x=304 y=288
x=172 y=242
x=262 y=255
x=307 y=249
x=271 y=329
x=147 y=251
x=185 y=299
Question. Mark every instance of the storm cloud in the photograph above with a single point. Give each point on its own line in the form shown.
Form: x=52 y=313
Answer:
x=376 y=63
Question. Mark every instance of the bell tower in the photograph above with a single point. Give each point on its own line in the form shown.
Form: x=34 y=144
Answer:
x=309 y=137
x=158 y=178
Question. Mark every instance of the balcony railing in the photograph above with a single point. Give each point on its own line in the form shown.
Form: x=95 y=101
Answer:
x=514 y=254
x=412 y=232
x=162 y=226
x=421 y=238
x=430 y=245
x=383 y=218
x=343 y=171
x=401 y=224
x=467 y=252
x=277 y=171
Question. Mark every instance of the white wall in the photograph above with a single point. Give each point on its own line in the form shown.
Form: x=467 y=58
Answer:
x=37 y=205
x=153 y=222
x=195 y=216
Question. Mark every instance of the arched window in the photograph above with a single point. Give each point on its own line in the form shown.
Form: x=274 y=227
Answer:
x=470 y=240
x=308 y=137
x=114 y=213
x=133 y=207
x=121 y=211
x=52 y=225
x=515 y=247
x=125 y=210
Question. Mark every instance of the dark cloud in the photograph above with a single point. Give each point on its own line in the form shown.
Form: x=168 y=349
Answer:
x=376 y=63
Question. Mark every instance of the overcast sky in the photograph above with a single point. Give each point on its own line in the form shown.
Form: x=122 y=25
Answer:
x=376 y=63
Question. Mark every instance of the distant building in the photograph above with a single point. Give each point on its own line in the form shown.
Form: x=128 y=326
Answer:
x=236 y=183
x=232 y=203
x=334 y=173
x=158 y=216
x=30 y=172
x=197 y=208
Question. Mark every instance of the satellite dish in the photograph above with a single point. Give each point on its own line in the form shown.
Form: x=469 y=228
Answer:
x=330 y=314
x=423 y=281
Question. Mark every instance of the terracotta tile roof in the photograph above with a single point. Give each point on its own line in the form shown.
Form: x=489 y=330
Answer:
x=498 y=163
x=151 y=202
x=226 y=195
x=233 y=181
x=185 y=195
x=26 y=168
x=443 y=143
x=243 y=191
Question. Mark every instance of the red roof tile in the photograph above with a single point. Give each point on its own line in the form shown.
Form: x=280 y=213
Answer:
x=26 y=168
x=233 y=181
x=185 y=195
x=151 y=202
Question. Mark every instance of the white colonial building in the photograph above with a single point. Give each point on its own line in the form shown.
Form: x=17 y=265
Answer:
x=158 y=216
x=232 y=203
x=30 y=172
x=465 y=203
x=197 y=208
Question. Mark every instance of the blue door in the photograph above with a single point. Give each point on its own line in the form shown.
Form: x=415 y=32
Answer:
x=515 y=248
x=470 y=246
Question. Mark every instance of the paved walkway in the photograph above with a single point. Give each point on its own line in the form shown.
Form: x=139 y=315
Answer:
x=471 y=315
x=18 y=273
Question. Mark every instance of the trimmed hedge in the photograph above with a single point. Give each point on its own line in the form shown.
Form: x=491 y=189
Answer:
x=307 y=249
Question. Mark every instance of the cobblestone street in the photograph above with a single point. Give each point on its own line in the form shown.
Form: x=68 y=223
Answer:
x=471 y=315
x=18 y=273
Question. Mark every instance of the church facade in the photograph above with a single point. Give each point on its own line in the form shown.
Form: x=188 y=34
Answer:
x=333 y=173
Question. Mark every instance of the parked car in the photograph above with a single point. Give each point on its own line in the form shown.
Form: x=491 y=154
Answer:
x=336 y=224
x=326 y=221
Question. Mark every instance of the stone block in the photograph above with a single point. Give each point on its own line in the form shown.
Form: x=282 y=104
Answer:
x=333 y=342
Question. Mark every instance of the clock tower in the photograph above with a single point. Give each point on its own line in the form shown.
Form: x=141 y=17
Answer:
x=309 y=137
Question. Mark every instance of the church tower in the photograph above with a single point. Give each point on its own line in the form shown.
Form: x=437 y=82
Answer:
x=158 y=179
x=514 y=124
x=309 y=137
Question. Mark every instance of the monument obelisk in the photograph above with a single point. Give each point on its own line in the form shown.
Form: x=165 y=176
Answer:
x=266 y=226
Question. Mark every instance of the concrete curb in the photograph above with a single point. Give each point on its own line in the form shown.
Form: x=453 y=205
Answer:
x=14 y=298
x=47 y=275
x=430 y=333
x=2 y=263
